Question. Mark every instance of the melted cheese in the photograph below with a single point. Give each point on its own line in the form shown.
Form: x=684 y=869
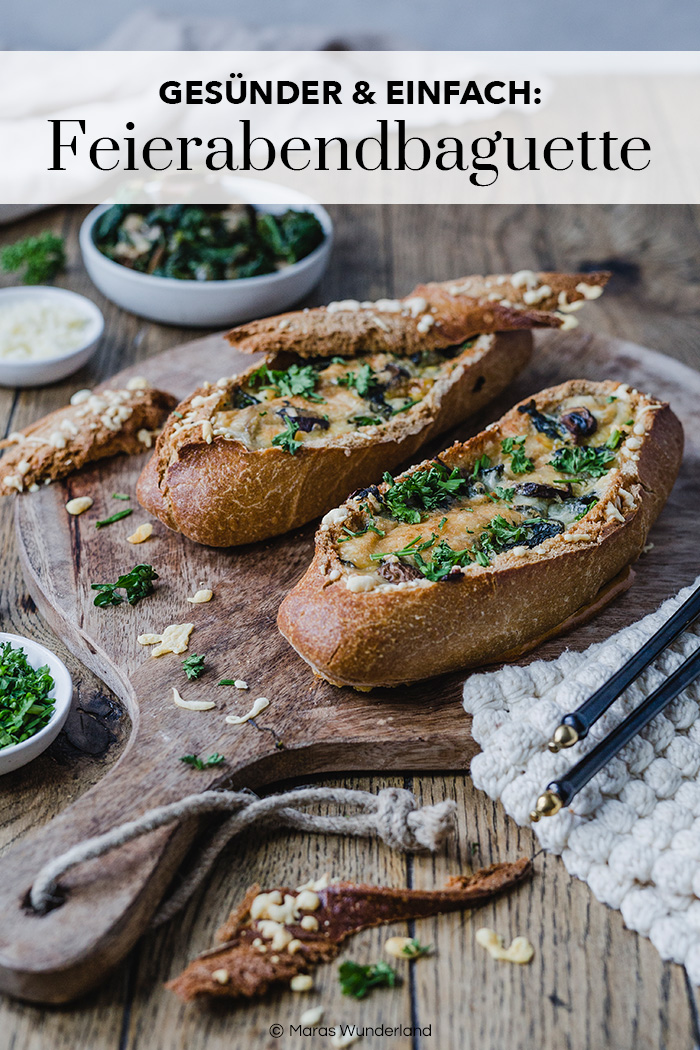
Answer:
x=466 y=521
x=336 y=401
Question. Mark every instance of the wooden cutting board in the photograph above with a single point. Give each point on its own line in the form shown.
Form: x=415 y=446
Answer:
x=309 y=727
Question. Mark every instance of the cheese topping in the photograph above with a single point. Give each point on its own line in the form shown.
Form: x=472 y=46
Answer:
x=531 y=484
x=40 y=329
x=314 y=402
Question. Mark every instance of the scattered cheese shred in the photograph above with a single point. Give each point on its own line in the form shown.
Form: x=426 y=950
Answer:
x=78 y=505
x=174 y=639
x=192 y=705
x=520 y=951
x=260 y=704
x=205 y=595
x=142 y=533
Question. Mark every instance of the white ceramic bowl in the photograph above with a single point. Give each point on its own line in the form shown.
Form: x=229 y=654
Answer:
x=40 y=371
x=19 y=754
x=211 y=304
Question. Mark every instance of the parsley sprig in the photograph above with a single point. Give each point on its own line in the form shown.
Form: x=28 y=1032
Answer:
x=357 y=980
x=519 y=462
x=193 y=666
x=364 y=380
x=297 y=380
x=114 y=517
x=583 y=461
x=40 y=257
x=411 y=549
x=287 y=439
x=414 y=949
x=203 y=763
x=25 y=705
x=136 y=584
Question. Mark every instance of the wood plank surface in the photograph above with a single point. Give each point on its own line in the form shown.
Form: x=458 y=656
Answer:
x=592 y=983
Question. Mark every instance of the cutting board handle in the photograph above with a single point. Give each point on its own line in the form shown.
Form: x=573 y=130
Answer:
x=107 y=902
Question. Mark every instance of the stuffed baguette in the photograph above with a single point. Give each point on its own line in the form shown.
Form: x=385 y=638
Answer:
x=263 y=452
x=492 y=546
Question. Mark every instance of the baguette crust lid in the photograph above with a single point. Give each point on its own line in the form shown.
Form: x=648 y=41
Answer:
x=433 y=316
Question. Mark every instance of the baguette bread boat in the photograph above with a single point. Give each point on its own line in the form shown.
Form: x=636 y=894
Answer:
x=499 y=542
x=345 y=391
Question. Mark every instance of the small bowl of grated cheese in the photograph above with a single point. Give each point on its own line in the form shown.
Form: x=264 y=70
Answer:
x=46 y=334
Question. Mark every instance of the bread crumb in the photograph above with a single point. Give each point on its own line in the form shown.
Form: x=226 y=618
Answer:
x=138 y=383
x=205 y=595
x=78 y=505
x=220 y=976
x=192 y=705
x=142 y=533
x=520 y=950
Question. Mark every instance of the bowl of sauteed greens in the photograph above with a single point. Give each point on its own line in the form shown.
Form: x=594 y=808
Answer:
x=35 y=696
x=207 y=265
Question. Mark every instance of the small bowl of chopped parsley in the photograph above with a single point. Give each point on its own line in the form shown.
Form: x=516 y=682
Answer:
x=207 y=265
x=35 y=697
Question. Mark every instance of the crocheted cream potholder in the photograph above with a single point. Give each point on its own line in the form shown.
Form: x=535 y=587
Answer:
x=633 y=834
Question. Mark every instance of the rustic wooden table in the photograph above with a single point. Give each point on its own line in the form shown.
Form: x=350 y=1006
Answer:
x=592 y=983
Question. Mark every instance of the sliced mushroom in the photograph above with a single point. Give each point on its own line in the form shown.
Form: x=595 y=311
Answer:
x=580 y=423
x=398 y=571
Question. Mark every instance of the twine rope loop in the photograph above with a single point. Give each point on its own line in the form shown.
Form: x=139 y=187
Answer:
x=393 y=814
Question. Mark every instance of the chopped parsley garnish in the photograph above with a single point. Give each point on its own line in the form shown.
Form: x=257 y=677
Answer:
x=404 y=408
x=443 y=561
x=25 y=705
x=610 y=400
x=366 y=421
x=413 y=547
x=193 y=666
x=357 y=980
x=286 y=439
x=297 y=380
x=422 y=491
x=500 y=492
x=203 y=763
x=482 y=463
x=500 y=534
x=519 y=462
x=364 y=380
x=114 y=517
x=136 y=584
x=583 y=460
x=371 y=526
x=414 y=949
x=120 y=495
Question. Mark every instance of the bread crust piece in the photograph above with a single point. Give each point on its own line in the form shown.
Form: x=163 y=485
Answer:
x=392 y=636
x=96 y=424
x=222 y=494
x=432 y=317
x=242 y=966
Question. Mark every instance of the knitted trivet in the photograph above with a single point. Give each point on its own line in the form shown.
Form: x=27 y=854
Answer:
x=633 y=834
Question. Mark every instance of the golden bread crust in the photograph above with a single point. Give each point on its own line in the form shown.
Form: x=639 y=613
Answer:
x=396 y=636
